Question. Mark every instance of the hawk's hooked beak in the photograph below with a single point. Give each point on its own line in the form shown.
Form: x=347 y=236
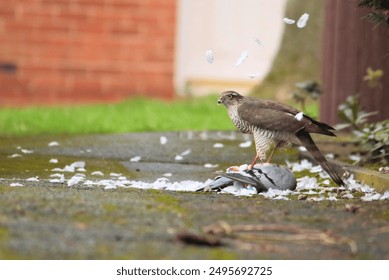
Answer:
x=219 y=101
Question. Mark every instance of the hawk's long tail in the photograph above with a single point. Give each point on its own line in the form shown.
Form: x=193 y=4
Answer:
x=307 y=142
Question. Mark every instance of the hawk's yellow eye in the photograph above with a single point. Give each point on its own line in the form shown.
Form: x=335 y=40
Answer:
x=229 y=96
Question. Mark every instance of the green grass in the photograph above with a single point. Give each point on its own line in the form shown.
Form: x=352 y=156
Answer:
x=129 y=116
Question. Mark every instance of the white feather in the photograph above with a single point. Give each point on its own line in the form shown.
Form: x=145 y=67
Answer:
x=256 y=40
x=299 y=116
x=242 y=58
x=163 y=140
x=209 y=56
x=302 y=22
x=135 y=158
x=289 y=21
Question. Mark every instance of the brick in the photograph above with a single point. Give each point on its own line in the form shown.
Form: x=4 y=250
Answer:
x=91 y=27
x=125 y=4
x=57 y=2
x=88 y=50
x=12 y=26
x=72 y=14
x=7 y=11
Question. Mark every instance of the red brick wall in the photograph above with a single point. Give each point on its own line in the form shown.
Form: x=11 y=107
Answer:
x=66 y=51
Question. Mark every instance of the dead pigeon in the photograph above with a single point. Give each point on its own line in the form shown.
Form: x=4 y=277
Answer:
x=262 y=177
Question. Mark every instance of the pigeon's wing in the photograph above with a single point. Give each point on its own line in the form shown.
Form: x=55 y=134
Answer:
x=218 y=183
x=245 y=180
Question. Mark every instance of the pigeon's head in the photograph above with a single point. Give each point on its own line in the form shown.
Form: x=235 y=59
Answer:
x=229 y=98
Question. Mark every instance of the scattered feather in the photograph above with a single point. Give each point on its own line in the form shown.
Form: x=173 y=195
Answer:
x=210 y=165
x=163 y=140
x=135 y=159
x=97 y=173
x=288 y=20
x=256 y=40
x=316 y=169
x=280 y=197
x=302 y=21
x=186 y=152
x=178 y=157
x=105 y=182
x=53 y=160
x=167 y=174
x=326 y=182
x=330 y=156
x=33 y=179
x=239 y=190
x=385 y=196
x=15 y=156
x=25 y=151
x=218 y=145
x=242 y=58
x=306 y=183
x=355 y=158
x=324 y=175
x=348 y=196
x=299 y=166
x=371 y=197
x=16 y=185
x=113 y=174
x=53 y=143
x=302 y=149
x=246 y=144
x=384 y=170
x=209 y=56
x=77 y=178
x=77 y=165
x=60 y=178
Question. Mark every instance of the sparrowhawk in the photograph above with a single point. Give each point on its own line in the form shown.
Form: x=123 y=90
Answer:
x=273 y=122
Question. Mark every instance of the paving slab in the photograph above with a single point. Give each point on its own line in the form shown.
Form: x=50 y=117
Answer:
x=44 y=220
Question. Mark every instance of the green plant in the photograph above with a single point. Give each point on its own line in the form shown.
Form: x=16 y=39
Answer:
x=380 y=11
x=352 y=115
x=373 y=137
x=373 y=77
x=305 y=90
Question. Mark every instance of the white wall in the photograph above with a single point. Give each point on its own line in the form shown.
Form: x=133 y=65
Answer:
x=227 y=27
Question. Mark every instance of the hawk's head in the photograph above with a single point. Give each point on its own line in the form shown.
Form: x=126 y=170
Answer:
x=229 y=98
